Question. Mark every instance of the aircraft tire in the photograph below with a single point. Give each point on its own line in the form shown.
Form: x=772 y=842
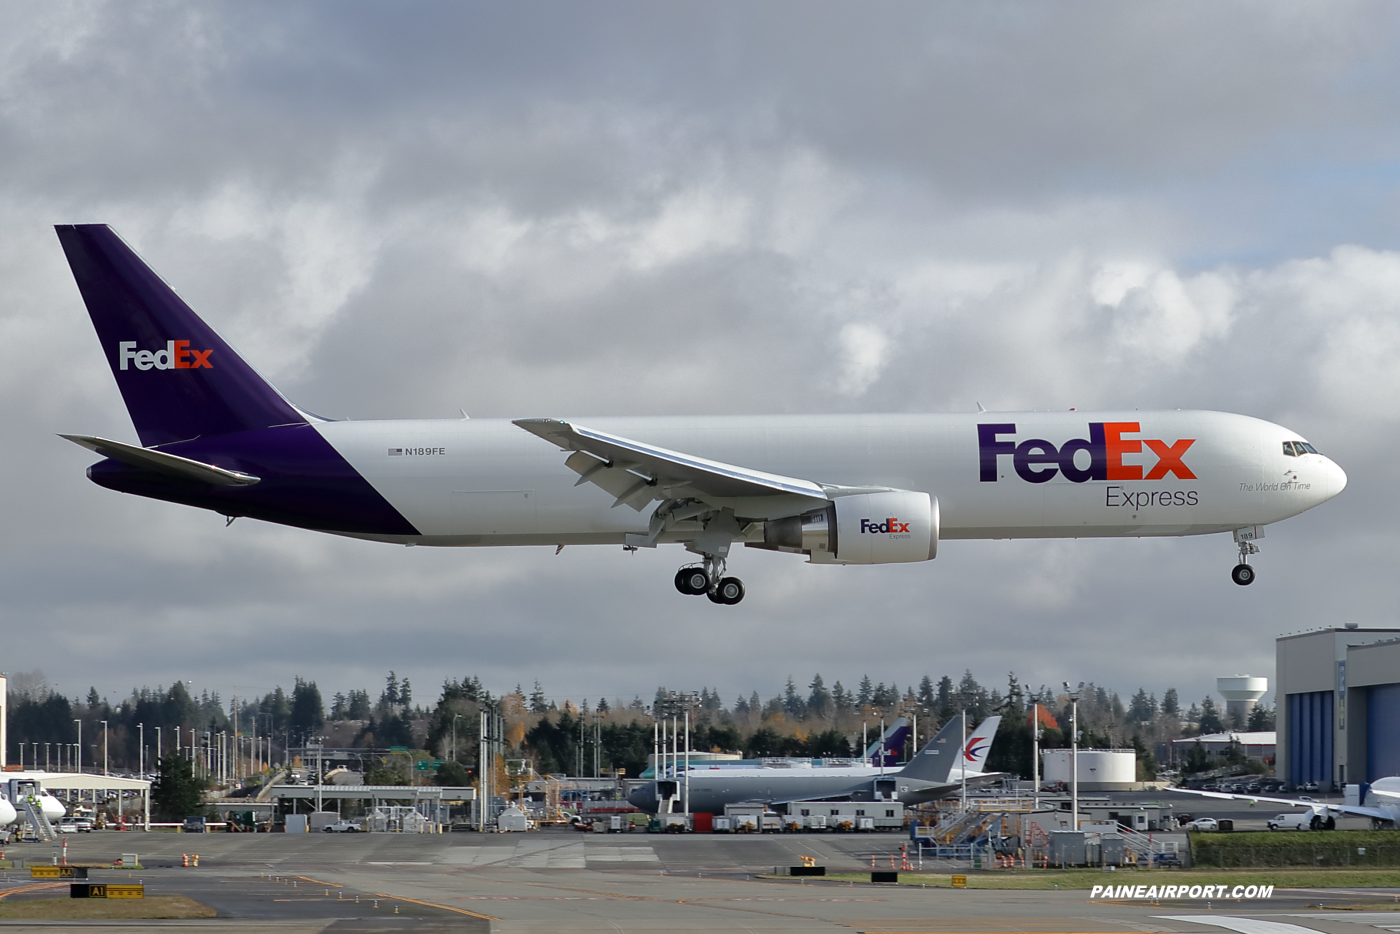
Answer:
x=1242 y=574
x=730 y=591
x=1331 y=823
x=1315 y=823
x=692 y=581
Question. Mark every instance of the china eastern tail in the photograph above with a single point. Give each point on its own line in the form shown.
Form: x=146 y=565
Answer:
x=837 y=489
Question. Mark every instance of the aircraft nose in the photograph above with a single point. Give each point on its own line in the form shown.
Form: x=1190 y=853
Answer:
x=644 y=797
x=1336 y=477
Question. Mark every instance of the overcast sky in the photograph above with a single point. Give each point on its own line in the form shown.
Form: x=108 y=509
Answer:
x=646 y=208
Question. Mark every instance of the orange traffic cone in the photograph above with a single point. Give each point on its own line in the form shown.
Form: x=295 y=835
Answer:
x=184 y=859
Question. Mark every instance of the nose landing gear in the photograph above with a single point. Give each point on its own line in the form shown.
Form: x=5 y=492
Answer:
x=1242 y=573
x=709 y=580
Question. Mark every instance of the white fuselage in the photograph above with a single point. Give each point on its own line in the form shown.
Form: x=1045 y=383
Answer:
x=488 y=482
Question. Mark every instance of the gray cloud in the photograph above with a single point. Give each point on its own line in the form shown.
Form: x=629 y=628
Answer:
x=641 y=209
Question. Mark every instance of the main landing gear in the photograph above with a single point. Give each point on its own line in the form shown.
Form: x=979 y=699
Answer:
x=709 y=580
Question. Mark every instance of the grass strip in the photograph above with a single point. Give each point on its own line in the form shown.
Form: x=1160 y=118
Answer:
x=152 y=908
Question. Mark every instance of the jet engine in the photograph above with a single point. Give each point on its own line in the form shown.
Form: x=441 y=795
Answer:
x=886 y=527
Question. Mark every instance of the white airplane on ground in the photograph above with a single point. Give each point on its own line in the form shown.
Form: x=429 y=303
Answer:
x=930 y=775
x=27 y=783
x=839 y=489
x=1386 y=809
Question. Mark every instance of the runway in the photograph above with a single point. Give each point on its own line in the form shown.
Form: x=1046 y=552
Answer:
x=561 y=881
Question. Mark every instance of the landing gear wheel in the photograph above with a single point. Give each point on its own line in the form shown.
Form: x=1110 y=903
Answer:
x=729 y=592
x=1331 y=823
x=1315 y=823
x=1243 y=575
x=692 y=581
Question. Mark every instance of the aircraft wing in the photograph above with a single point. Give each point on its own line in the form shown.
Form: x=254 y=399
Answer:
x=1316 y=806
x=638 y=473
x=161 y=462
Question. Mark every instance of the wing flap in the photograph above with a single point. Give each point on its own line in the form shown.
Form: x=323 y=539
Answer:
x=619 y=465
x=161 y=462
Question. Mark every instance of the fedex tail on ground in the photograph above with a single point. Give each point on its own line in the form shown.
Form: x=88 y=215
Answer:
x=838 y=489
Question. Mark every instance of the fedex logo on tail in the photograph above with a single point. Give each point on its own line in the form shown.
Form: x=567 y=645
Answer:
x=1097 y=457
x=177 y=355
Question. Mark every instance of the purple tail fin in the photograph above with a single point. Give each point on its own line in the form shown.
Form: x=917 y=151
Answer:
x=178 y=378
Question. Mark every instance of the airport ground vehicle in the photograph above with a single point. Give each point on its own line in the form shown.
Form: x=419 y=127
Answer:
x=1204 y=824
x=838 y=489
x=1303 y=821
x=342 y=826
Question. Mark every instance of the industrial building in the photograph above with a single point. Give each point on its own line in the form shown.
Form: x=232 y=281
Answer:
x=1338 y=715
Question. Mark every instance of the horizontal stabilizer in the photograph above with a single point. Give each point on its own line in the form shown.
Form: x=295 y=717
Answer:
x=160 y=462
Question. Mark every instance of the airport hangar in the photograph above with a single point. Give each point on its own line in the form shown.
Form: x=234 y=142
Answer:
x=1338 y=711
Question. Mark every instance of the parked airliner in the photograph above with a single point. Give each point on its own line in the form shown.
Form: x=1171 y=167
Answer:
x=926 y=777
x=838 y=489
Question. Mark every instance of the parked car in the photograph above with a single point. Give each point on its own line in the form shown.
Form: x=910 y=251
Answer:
x=1301 y=821
x=68 y=825
x=1310 y=786
x=1207 y=824
x=343 y=826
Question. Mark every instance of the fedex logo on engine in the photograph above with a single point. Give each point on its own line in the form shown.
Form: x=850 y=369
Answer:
x=888 y=527
x=1097 y=457
x=177 y=355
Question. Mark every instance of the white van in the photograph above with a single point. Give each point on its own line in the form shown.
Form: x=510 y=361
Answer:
x=1301 y=821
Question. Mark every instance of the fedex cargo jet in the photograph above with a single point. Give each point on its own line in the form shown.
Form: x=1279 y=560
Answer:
x=838 y=489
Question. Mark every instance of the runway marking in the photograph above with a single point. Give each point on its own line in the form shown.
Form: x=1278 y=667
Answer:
x=1385 y=920
x=403 y=898
x=1242 y=925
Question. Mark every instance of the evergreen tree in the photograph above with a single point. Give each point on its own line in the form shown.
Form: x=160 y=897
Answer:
x=603 y=707
x=819 y=700
x=538 y=702
x=307 y=716
x=1170 y=705
x=176 y=792
x=841 y=699
x=866 y=692
x=1210 y=717
x=945 y=698
x=1142 y=708
x=1196 y=759
x=358 y=707
x=793 y=704
x=340 y=707
x=1261 y=718
x=927 y=695
x=390 y=695
x=405 y=693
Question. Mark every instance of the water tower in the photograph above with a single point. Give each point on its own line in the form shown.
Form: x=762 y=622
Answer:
x=1241 y=693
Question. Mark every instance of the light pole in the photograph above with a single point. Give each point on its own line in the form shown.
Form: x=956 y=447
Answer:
x=80 y=746
x=141 y=748
x=104 y=747
x=1035 y=756
x=1074 y=752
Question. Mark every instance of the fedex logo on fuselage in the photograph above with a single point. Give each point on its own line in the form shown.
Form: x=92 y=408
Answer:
x=890 y=526
x=177 y=355
x=1036 y=460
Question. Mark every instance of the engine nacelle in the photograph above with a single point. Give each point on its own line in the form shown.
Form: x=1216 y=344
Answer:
x=888 y=527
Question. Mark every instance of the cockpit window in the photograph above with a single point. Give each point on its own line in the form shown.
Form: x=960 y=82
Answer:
x=1288 y=449
x=1298 y=448
x=1305 y=446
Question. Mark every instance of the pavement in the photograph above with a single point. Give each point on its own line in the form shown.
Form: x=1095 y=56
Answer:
x=574 y=883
